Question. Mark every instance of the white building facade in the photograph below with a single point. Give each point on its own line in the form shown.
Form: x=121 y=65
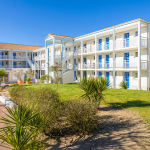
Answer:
x=120 y=53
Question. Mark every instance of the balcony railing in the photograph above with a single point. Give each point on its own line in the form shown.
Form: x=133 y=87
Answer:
x=5 y=57
x=14 y=66
x=40 y=57
x=89 y=49
x=89 y=66
x=23 y=58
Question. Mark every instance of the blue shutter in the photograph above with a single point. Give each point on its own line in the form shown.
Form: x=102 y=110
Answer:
x=126 y=78
x=84 y=60
x=107 y=43
x=126 y=40
x=14 y=55
x=14 y=63
x=84 y=74
x=100 y=74
x=126 y=60
x=107 y=61
x=100 y=44
x=107 y=76
x=74 y=63
x=2 y=63
x=100 y=61
x=2 y=55
x=74 y=48
x=74 y=75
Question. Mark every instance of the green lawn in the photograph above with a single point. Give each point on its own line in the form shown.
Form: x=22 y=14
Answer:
x=138 y=101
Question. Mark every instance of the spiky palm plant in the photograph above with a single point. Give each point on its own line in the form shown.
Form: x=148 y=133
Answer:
x=123 y=85
x=22 y=129
x=101 y=84
x=93 y=88
x=87 y=85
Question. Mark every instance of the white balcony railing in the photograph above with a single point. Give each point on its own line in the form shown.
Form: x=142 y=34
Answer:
x=5 y=57
x=89 y=49
x=89 y=66
x=40 y=57
x=12 y=66
x=23 y=58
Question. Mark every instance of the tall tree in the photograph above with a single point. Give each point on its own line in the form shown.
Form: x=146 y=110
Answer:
x=56 y=69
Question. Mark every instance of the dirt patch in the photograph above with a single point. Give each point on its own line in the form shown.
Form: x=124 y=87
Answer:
x=121 y=129
x=5 y=93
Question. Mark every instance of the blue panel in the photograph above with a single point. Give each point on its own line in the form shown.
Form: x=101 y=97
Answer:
x=100 y=74
x=74 y=75
x=100 y=61
x=84 y=60
x=85 y=45
x=84 y=74
x=31 y=56
x=126 y=60
x=74 y=48
x=15 y=63
x=126 y=40
x=66 y=49
x=14 y=55
x=74 y=63
x=107 y=61
x=100 y=44
x=107 y=76
x=2 y=64
x=107 y=43
x=126 y=78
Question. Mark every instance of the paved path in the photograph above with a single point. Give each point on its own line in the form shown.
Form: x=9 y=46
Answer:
x=2 y=109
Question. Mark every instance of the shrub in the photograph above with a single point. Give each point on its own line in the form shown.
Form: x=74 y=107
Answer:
x=123 y=85
x=28 y=79
x=44 y=100
x=45 y=78
x=82 y=116
x=14 y=84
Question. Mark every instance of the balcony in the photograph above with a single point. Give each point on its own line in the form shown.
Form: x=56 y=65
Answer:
x=105 y=65
x=89 y=66
x=40 y=57
x=77 y=51
x=122 y=44
x=14 y=66
x=130 y=65
x=89 y=49
x=22 y=58
x=5 y=57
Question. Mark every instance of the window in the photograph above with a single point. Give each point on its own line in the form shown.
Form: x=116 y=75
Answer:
x=94 y=57
x=115 y=38
x=115 y=74
x=69 y=60
x=14 y=77
x=115 y=56
x=94 y=73
x=94 y=42
x=136 y=54
x=136 y=75
x=136 y=33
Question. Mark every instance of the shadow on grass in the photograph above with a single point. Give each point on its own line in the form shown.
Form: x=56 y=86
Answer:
x=128 y=104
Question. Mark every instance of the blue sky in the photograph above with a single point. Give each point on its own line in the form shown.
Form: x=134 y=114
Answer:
x=29 y=21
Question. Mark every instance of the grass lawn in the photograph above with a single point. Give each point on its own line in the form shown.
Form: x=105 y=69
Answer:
x=138 y=101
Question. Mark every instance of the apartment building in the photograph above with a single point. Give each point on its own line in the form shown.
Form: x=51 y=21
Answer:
x=120 y=52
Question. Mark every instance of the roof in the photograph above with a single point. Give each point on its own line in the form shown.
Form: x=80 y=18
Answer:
x=18 y=47
x=114 y=26
x=55 y=35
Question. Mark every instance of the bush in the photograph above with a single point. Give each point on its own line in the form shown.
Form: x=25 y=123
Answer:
x=14 y=84
x=28 y=79
x=60 y=117
x=44 y=100
x=82 y=116
x=45 y=78
x=123 y=85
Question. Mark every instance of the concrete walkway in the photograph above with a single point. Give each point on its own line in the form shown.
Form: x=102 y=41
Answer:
x=2 y=109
